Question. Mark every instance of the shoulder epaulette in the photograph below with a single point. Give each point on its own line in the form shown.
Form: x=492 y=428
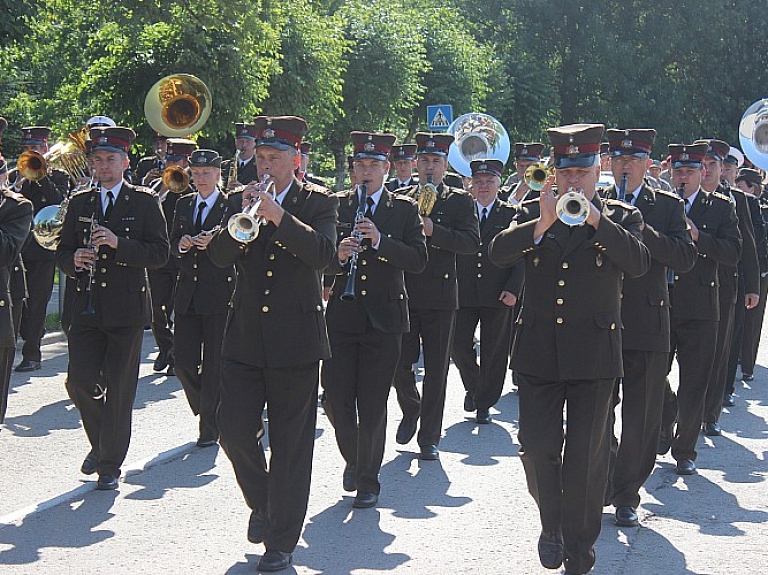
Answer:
x=82 y=192
x=398 y=196
x=144 y=190
x=9 y=193
x=672 y=195
x=721 y=196
x=314 y=188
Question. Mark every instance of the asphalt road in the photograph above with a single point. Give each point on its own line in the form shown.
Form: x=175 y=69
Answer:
x=179 y=509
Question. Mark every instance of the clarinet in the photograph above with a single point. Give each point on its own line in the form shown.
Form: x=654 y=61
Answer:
x=90 y=309
x=349 y=290
x=623 y=187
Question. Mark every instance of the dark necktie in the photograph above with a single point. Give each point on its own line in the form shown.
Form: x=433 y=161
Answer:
x=199 y=219
x=629 y=198
x=369 y=210
x=687 y=205
x=483 y=217
x=110 y=205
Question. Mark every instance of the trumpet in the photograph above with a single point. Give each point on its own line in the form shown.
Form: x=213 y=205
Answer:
x=572 y=208
x=176 y=179
x=425 y=196
x=536 y=175
x=244 y=226
x=349 y=289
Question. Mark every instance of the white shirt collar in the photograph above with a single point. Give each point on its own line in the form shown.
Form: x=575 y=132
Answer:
x=209 y=201
x=376 y=196
x=488 y=208
x=115 y=192
x=281 y=196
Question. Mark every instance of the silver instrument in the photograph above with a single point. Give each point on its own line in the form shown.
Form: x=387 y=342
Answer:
x=572 y=208
x=245 y=226
x=477 y=137
x=349 y=289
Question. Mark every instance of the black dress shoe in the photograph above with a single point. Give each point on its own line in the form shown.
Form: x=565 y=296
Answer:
x=90 y=464
x=274 y=561
x=429 y=452
x=712 y=429
x=257 y=526
x=365 y=499
x=551 y=553
x=107 y=482
x=28 y=365
x=349 y=479
x=161 y=362
x=469 y=402
x=685 y=467
x=729 y=400
x=747 y=377
x=407 y=429
x=170 y=372
x=665 y=439
x=626 y=516
x=207 y=441
x=483 y=416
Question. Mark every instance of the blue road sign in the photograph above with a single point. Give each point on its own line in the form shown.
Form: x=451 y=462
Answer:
x=439 y=117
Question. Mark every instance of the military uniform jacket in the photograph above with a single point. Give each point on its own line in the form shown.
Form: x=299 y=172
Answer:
x=49 y=191
x=570 y=322
x=276 y=318
x=480 y=281
x=202 y=287
x=748 y=267
x=393 y=184
x=144 y=166
x=245 y=175
x=168 y=205
x=455 y=231
x=695 y=295
x=120 y=294
x=645 y=299
x=15 y=222
x=381 y=297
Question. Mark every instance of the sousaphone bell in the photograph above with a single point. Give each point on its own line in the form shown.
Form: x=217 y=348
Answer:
x=477 y=136
x=753 y=133
x=178 y=105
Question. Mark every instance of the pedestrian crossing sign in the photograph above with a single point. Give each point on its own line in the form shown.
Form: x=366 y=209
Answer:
x=439 y=117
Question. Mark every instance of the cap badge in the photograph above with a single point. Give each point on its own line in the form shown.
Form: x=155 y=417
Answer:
x=572 y=150
x=483 y=166
x=684 y=157
x=430 y=144
x=524 y=152
x=626 y=143
x=369 y=147
x=269 y=121
x=103 y=140
x=268 y=133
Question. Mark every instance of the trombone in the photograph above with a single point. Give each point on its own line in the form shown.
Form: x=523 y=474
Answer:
x=176 y=179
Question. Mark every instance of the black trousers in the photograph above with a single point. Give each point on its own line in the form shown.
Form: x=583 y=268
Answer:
x=634 y=457
x=6 y=365
x=753 y=327
x=39 y=288
x=694 y=342
x=714 y=405
x=197 y=345
x=162 y=286
x=282 y=491
x=433 y=329
x=485 y=381
x=713 y=402
x=107 y=421
x=357 y=380
x=567 y=473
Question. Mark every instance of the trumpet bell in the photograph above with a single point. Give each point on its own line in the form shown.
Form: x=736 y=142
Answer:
x=572 y=208
x=243 y=227
x=32 y=165
x=178 y=105
x=176 y=179
x=477 y=136
x=753 y=133
x=536 y=175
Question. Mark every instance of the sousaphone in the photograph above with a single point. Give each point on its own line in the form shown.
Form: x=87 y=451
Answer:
x=477 y=137
x=178 y=105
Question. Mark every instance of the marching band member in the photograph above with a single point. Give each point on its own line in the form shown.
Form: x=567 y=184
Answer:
x=487 y=295
x=567 y=348
x=275 y=339
x=245 y=142
x=149 y=168
x=403 y=156
x=203 y=293
x=451 y=228
x=110 y=307
x=515 y=189
x=366 y=324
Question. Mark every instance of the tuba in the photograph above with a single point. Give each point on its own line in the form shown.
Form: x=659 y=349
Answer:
x=477 y=137
x=753 y=133
x=178 y=105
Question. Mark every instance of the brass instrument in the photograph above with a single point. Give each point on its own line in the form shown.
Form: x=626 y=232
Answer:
x=425 y=196
x=245 y=226
x=349 y=289
x=572 y=208
x=32 y=166
x=536 y=175
x=233 y=167
x=176 y=179
x=477 y=137
x=178 y=105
